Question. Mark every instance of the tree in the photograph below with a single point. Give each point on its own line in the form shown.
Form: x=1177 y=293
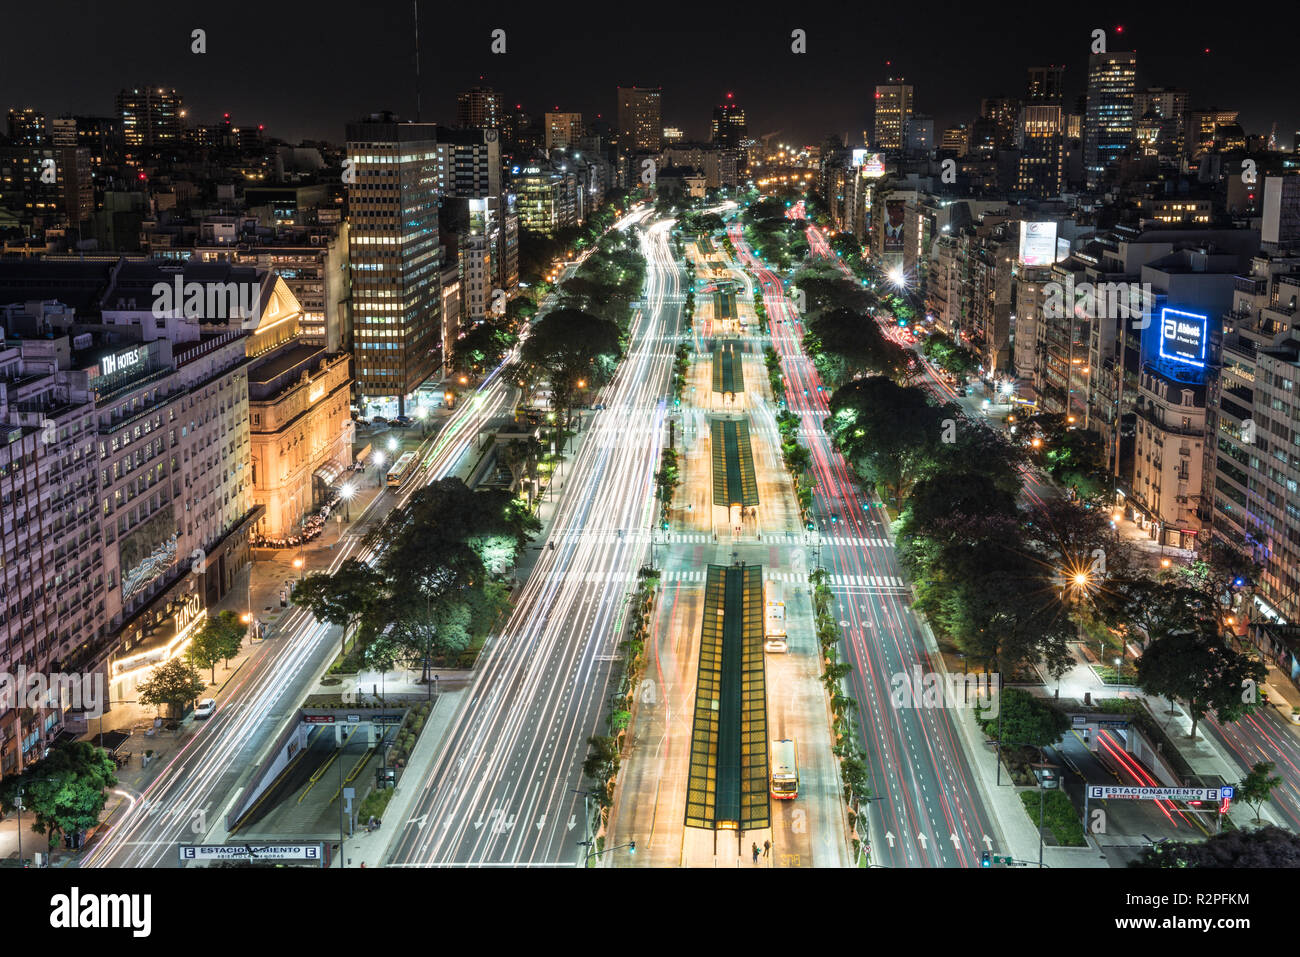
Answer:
x=1265 y=847
x=569 y=344
x=343 y=598
x=1026 y=720
x=483 y=347
x=1254 y=789
x=1218 y=572
x=890 y=433
x=174 y=683
x=844 y=343
x=219 y=638
x=602 y=764
x=1200 y=670
x=65 y=791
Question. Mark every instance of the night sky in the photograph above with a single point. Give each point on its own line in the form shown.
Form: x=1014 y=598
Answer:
x=305 y=69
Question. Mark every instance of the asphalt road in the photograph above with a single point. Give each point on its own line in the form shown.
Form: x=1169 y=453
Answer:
x=502 y=789
x=927 y=810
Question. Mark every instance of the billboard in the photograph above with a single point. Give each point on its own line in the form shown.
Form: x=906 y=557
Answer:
x=858 y=157
x=1038 y=243
x=1183 y=336
x=873 y=164
x=894 y=223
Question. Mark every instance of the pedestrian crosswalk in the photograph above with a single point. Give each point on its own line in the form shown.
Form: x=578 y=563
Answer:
x=609 y=537
x=874 y=582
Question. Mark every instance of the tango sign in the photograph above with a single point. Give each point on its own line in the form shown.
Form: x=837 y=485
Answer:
x=1103 y=791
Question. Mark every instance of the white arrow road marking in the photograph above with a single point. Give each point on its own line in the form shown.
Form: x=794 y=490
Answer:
x=417 y=821
x=988 y=842
x=573 y=821
x=956 y=841
x=889 y=836
x=924 y=841
x=541 y=823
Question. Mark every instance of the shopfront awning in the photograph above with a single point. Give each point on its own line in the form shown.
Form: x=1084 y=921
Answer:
x=328 y=474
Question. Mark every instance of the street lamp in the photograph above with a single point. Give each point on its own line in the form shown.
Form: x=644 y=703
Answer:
x=392 y=444
x=346 y=492
x=297 y=564
x=1119 y=671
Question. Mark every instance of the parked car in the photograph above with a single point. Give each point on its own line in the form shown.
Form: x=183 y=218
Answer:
x=1047 y=778
x=205 y=708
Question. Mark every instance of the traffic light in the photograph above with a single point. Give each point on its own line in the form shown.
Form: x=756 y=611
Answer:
x=985 y=861
x=810 y=526
x=631 y=848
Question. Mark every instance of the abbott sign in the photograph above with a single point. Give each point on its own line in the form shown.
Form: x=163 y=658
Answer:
x=1183 y=337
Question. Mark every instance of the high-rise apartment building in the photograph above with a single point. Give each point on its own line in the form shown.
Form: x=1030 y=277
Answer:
x=395 y=255
x=27 y=128
x=893 y=109
x=479 y=107
x=151 y=117
x=640 y=122
x=1254 y=470
x=561 y=130
x=1108 y=128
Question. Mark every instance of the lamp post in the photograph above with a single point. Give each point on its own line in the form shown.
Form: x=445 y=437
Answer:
x=346 y=493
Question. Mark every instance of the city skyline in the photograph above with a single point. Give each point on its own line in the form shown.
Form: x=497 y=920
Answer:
x=844 y=65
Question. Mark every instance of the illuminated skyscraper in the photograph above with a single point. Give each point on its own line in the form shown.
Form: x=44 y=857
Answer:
x=395 y=254
x=1108 y=127
x=893 y=109
x=640 y=122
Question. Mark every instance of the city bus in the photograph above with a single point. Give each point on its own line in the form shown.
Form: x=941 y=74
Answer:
x=401 y=469
x=785 y=770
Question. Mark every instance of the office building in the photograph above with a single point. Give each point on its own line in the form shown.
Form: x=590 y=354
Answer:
x=396 y=260
x=1108 y=128
x=469 y=163
x=893 y=110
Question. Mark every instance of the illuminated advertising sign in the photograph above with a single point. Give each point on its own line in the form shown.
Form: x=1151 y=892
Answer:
x=873 y=164
x=894 y=224
x=1183 y=337
x=1037 y=243
x=858 y=157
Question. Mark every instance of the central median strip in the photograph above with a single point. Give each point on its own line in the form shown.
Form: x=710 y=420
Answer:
x=727 y=784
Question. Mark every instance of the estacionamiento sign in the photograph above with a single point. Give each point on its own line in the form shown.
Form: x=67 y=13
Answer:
x=1104 y=791
x=251 y=852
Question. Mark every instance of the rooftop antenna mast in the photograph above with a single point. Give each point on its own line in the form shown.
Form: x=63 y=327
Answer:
x=415 y=6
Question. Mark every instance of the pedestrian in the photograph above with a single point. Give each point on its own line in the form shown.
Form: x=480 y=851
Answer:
x=755 y=852
x=767 y=848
